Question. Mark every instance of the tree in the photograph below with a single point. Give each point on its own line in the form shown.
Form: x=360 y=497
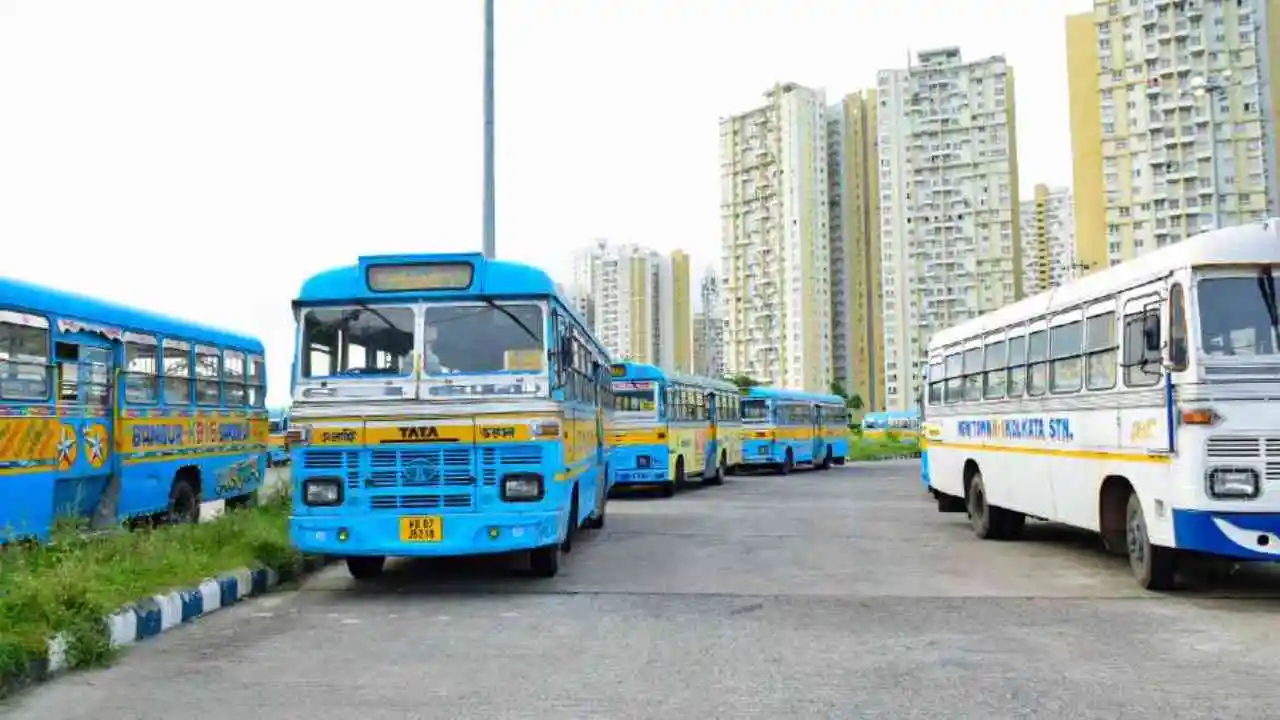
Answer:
x=743 y=381
x=852 y=401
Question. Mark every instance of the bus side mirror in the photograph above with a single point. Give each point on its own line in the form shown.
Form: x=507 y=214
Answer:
x=1151 y=333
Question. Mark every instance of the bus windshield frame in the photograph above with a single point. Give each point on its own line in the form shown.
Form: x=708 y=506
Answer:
x=636 y=399
x=756 y=411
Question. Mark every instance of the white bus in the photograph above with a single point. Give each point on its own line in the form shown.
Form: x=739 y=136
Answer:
x=1141 y=402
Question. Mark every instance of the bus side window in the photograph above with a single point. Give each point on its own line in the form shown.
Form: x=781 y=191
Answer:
x=67 y=356
x=1177 y=328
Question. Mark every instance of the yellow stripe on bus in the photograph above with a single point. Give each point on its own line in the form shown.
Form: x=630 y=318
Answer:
x=1055 y=452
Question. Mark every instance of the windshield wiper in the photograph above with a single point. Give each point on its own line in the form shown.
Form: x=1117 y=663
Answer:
x=1267 y=286
x=519 y=323
x=351 y=315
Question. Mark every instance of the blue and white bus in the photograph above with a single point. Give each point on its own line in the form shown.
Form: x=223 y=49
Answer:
x=1137 y=402
x=109 y=413
x=444 y=405
x=785 y=428
x=669 y=427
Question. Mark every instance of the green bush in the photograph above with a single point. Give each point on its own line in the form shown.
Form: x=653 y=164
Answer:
x=70 y=585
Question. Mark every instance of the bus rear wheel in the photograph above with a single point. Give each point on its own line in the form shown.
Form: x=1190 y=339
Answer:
x=366 y=567
x=718 y=477
x=1153 y=566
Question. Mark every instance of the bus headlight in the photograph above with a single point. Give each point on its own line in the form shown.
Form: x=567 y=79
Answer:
x=522 y=487
x=1233 y=483
x=322 y=492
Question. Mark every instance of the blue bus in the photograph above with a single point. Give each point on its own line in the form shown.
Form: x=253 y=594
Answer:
x=902 y=425
x=110 y=414
x=669 y=427
x=444 y=405
x=278 y=443
x=785 y=428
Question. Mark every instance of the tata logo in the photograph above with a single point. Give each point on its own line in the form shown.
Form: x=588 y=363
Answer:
x=420 y=472
x=428 y=432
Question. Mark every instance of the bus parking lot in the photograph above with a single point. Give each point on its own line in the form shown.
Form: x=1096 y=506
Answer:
x=837 y=593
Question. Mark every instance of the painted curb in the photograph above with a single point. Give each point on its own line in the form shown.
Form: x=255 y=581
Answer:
x=151 y=616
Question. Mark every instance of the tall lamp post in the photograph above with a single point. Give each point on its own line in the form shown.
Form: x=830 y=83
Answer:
x=489 y=219
x=1214 y=89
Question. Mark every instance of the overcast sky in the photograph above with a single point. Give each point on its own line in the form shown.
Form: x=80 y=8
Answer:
x=203 y=158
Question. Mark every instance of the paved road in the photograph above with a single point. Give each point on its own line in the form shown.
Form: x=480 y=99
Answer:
x=838 y=594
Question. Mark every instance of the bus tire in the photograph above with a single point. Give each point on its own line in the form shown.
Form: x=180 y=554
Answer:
x=717 y=478
x=596 y=520
x=990 y=522
x=366 y=567
x=184 y=502
x=567 y=544
x=1154 y=567
x=545 y=561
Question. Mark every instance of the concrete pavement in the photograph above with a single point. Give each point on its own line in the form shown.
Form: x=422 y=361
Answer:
x=837 y=594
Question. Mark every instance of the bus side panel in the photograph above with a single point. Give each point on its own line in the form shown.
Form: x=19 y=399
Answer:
x=226 y=451
x=28 y=452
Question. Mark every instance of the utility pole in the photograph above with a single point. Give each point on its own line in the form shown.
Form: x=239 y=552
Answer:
x=490 y=237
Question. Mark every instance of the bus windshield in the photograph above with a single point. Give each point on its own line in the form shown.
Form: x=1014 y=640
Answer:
x=357 y=341
x=635 y=396
x=755 y=411
x=489 y=338
x=1238 y=315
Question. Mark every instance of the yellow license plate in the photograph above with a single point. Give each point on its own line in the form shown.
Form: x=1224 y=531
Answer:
x=428 y=528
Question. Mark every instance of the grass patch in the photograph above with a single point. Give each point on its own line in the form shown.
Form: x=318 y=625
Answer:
x=70 y=585
x=881 y=449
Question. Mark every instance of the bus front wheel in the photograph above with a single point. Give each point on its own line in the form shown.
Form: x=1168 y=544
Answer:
x=366 y=567
x=989 y=521
x=1153 y=566
x=545 y=561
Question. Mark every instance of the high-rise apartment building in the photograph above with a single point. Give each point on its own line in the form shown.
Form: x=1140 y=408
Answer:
x=857 y=330
x=775 y=256
x=949 y=236
x=1048 y=239
x=709 y=330
x=673 y=335
x=1172 y=120
x=637 y=302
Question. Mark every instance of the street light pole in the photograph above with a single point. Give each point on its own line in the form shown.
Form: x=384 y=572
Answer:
x=1212 y=89
x=489 y=219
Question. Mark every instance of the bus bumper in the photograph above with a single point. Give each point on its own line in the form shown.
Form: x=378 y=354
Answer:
x=463 y=534
x=759 y=454
x=1243 y=536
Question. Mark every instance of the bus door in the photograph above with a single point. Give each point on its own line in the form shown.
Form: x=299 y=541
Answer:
x=84 y=371
x=712 y=444
x=818 y=443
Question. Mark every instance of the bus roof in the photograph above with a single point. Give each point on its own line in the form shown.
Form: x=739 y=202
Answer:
x=492 y=278
x=39 y=299
x=773 y=393
x=1257 y=242
x=646 y=371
